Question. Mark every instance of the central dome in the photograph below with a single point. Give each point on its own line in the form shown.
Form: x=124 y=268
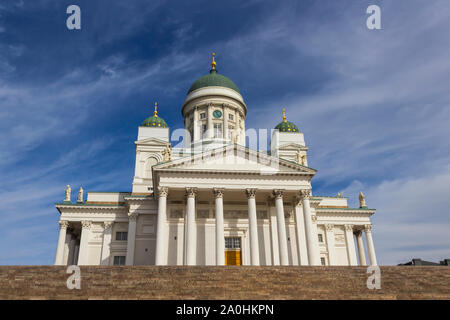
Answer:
x=213 y=79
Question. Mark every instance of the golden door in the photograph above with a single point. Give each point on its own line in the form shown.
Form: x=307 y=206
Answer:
x=233 y=258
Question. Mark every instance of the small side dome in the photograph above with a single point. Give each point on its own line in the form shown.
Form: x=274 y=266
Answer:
x=286 y=126
x=155 y=121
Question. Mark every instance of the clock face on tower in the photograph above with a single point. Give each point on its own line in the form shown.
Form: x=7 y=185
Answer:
x=217 y=113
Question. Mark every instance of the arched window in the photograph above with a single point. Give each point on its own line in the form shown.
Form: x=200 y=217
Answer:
x=151 y=161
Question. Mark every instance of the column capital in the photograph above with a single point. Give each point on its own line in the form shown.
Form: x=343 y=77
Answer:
x=368 y=228
x=107 y=224
x=305 y=193
x=191 y=192
x=63 y=224
x=218 y=192
x=357 y=232
x=251 y=193
x=86 y=224
x=348 y=227
x=163 y=191
x=132 y=216
x=297 y=201
x=329 y=227
x=278 y=193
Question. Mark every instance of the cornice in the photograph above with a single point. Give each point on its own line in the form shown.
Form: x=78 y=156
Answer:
x=345 y=210
x=89 y=205
x=234 y=172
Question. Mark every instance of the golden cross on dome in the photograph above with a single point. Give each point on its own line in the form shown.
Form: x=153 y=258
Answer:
x=155 y=113
x=284 y=115
x=213 y=63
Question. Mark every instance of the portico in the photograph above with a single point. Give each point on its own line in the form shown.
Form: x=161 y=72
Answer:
x=233 y=199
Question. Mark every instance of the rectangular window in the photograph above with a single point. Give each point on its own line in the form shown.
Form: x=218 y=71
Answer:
x=232 y=243
x=320 y=237
x=217 y=130
x=119 y=260
x=203 y=115
x=121 y=236
x=230 y=117
x=322 y=261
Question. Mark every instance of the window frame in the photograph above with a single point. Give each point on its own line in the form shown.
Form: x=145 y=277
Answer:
x=122 y=238
x=120 y=259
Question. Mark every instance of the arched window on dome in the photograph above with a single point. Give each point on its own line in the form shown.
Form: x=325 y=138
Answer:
x=151 y=161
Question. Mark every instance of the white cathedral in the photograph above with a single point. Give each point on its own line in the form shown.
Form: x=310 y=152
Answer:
x=215 y=201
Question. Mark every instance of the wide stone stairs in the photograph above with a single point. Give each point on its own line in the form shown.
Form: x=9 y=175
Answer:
x=180 y=282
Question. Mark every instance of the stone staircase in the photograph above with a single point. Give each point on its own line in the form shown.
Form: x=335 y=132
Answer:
x=172 y=282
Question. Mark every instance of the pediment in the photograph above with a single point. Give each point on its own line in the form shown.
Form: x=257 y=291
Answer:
x=152 y=142
x=235 y=159
x=292 y=145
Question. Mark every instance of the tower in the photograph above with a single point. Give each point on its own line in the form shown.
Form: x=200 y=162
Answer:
x=288 y=142
x=152 y=147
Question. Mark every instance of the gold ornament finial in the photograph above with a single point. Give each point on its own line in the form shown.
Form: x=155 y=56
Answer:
x=284 y=115
x=155 y=113
x=213 y=63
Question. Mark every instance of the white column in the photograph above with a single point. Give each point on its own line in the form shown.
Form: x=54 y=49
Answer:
x=281 y=224
x=83 y=253
x=369 y=242
x=329 y=228
x=362 y=255
x=131 y=239
x=106 y=247
x=220 y=237
x=196 y=132
x=253 y=227
x=310 y=230
x=76 y=254
x=225 y=122
x=66 y=255
x=210 y=127
x=274 y=234
x=351 y=251
x=61 y=243
x=161 y=228
x=316 y=238
x=301 y=234
x=72 y=244
x=190 y=227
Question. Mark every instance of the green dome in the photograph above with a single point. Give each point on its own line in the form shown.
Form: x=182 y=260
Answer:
x=154 y=121
x=213 y=79
x=287 y=127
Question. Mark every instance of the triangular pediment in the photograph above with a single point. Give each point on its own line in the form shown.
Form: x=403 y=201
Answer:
x=152 y=142
x=235 y=158
x=292 y=145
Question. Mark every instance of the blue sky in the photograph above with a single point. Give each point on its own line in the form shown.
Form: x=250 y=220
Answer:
x=373 y=105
